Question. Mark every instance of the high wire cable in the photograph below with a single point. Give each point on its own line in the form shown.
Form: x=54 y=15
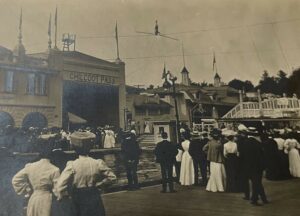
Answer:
x=195 y=31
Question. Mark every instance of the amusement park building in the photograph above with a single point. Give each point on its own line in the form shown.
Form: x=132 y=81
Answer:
x=57 y=88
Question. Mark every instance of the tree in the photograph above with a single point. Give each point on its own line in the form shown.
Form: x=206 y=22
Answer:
x=204 y=84
x=293 y=83
x=151 y=87
x=282 y=82
x=241 y=85
x=267 y=84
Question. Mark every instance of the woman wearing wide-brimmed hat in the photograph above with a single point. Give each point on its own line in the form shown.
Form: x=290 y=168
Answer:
x=217 y=179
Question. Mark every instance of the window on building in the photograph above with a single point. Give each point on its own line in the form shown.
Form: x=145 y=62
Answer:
x=9 y=81
x=164 y=111
x=43 y=84
x=140 y=111
x=36 y=84
x=153 y=111
x=31 y=84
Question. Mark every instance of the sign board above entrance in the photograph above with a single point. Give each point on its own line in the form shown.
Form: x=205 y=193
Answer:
x=90 y=78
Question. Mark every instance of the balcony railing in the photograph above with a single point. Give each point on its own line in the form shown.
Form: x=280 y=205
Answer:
x=271 y=108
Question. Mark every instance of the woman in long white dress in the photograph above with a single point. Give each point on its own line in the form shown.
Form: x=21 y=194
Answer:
x=217 y=179
x=291 y=146
x=37 y=181
x=187 y=166
x=147 y=128
x=109 y=140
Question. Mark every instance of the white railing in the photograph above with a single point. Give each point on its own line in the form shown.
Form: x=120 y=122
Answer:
x=273 y=108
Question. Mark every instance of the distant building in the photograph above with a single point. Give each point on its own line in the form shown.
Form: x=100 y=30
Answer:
x=195 y=103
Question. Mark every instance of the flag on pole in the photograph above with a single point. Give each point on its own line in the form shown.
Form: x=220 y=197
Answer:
x=55 y=25
x=214 y=62
x=21 y=18
x=117 y=40
x=49 y=27
x=164 y=72
x=55 y=18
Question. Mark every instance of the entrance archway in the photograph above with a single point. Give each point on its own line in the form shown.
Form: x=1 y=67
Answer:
x=35 y=119
x=6 y=119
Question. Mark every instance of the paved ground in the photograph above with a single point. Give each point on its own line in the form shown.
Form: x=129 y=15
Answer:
x=284 y=199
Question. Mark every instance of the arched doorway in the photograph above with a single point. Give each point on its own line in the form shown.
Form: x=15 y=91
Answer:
x=35 y=119
x=6 y=119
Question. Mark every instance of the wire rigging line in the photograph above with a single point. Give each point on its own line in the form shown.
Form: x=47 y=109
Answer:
x=255 y=48
x=280 y=47
x=199 y=54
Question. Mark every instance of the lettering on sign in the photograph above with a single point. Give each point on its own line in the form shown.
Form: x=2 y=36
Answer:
x=92 y=78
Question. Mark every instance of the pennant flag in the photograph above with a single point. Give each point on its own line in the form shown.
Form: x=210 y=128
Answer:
x=21 y=18
x=49 y=27
x=55 y=18
x=117 y=40
x=164 y=75
x=214 y=62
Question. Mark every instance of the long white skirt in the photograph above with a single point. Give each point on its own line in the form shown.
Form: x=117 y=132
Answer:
x=109 y=141
x=187 y=174
x=294 y=161
x=217 y=179
x=40 y=204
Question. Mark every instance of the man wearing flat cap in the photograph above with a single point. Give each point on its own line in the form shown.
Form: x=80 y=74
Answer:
x=86 y=176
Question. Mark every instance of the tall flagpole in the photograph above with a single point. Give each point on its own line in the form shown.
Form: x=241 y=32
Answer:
x=183 y=57
x=49 y=33
x=55 y=24
x=117 y=41
x=20 y=27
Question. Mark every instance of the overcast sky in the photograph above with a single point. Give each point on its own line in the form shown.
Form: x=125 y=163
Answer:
x=238 y=31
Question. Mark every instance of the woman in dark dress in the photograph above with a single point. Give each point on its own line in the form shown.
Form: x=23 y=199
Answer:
x=272 y=159
x=231 y=163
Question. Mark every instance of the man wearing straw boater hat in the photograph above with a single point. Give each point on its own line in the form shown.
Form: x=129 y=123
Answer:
x=86 y=175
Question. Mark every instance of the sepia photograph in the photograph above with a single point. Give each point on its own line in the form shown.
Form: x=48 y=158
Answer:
x=149 y=107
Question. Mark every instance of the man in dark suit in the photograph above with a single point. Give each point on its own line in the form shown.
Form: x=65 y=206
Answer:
x=199 y=156
x=253 y=160
x=165 y=153
x=131 y=153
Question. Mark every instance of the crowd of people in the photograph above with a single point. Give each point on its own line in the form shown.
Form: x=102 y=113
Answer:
x=229 y=159
x=25 y=140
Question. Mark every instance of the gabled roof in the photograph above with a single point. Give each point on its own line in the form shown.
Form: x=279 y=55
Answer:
x=217 y=76
x=184 y=70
